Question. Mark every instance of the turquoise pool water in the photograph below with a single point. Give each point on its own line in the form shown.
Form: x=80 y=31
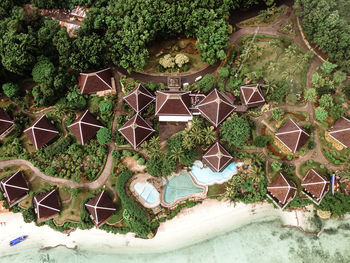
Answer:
x=180 y=186
x=147 y=192
x=206 y=176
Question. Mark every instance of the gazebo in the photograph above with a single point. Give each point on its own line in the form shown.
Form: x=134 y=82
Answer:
x=341 y=132
x=292 y=136
x=136 y=130
x=85 y=128
x=281 y=190
x=41 y=132
x=217 y=157
x=139 y=98
x=251 y=95
x=95 y=81
x=216 y=107
x=15 y=188
x=47 y=205
x=101 y=208
x=315 y=186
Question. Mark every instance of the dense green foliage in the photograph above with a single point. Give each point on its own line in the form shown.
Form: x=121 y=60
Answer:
x=338 y=204
x=206 y=83
x=134 y=216
x=236 y=130
x=104 y=136
x=324 y=25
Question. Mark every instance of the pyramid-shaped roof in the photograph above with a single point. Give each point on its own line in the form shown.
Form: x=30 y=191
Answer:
x=173 y=103
x=341 y=131
x=136 y=130
x=217 y=157
x=5 y=121
x=281 y=190
x=95 y=81
x=292 y=136
x=101 y=208
x=251 y=94
x=85 y=127
x=15 y=187
x=41 y=132
x=47 y=204
x=139 y=98
x=216 y=107
x=315 y=186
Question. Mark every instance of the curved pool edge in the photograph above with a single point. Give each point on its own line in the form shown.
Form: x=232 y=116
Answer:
x=193 y=197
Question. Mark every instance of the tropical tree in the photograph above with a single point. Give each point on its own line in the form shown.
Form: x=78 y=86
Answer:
x=256 y=173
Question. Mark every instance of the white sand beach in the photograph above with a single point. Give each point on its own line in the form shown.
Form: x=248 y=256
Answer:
x=191 y=226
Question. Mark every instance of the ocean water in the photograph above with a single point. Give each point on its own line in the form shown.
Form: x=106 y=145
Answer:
x=263 y=241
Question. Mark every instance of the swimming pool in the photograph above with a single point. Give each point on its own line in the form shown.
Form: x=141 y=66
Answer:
x=206 y=176
x=148 y=193
x=181 y=186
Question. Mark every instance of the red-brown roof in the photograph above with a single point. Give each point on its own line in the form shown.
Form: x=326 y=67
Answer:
x=101 y=208
x=95 y=81
x=216 y=107
x=85 y=127
x=251 y=94
x=136 y=130
x=173 y=103
x=5 y=121
x=15 y=187
x=315 y=186
x=341 y=131
x=217 y=157
x=139 y=98
x=41 y=132
x=47 y=205
x=281 y=190
x=292 y=136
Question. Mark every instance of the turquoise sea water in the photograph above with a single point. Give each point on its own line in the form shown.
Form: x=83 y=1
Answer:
x=180 y=186
x=263 y=241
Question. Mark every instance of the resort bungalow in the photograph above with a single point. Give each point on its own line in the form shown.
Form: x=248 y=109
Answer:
x=341 y=132
x=47 y=205
x=14 y=187
x=217 y=157
x=85 y=127
x=251 y=96
x=315 y=186
x=173 y=106
x=6 y=123
x=99 y=81
x=136 y=130
x=292 y=136
x=216 y=107
x=41 y=132
x=281 y=190
x=139 y=98
x=100 y=208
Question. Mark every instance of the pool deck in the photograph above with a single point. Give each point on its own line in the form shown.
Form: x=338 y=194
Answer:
x=193 y=197
x=142 y=178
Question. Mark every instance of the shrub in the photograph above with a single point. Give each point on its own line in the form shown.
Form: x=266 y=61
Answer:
x=277 y=166
x=11 y=90
x=262 y=141
x=277 y=114
x=206 y=83
x=104 y=136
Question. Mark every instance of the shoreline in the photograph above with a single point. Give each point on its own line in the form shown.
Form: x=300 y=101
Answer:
x=191 y=226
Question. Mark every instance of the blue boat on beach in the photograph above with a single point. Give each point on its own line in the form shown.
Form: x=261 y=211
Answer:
x=17 y=240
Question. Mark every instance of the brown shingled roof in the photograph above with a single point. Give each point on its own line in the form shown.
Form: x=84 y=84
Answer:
x=281 y=190
x=139 y=98
x=136 y=130
x=216 y=107
x=5 y=121
x=41 y=132
x=101 y=208
x=173 y=103
x=85 y=127
x=95 y=81
x=315 y=186
x=15 y=188
x=47 y=205
x=292 y=136
x=217 y=157
x=252 y=95
x=341 y=131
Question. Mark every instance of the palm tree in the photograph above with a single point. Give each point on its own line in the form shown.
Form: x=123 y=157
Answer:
x=188 y=142
x=209 y=135
x=196 y=134
x=176 y=154
x=256 y=173
x=153 y=147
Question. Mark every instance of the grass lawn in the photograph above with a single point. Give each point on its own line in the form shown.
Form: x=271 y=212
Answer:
x=185 y=46
x=216 y=190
